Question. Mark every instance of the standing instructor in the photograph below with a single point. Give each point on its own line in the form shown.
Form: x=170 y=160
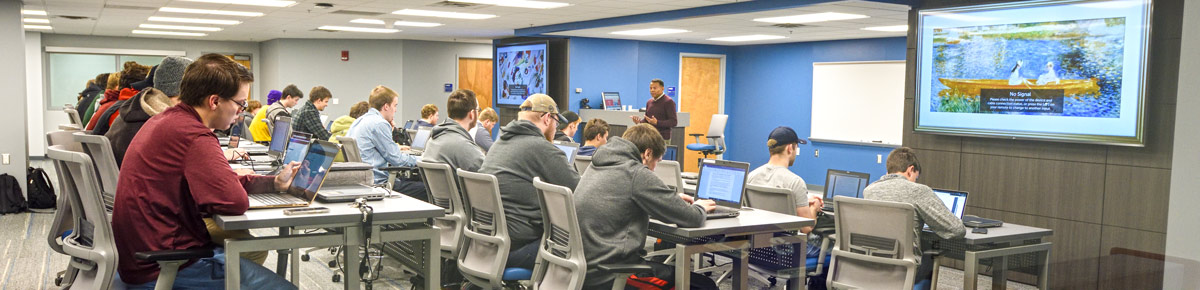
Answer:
x=660 y=110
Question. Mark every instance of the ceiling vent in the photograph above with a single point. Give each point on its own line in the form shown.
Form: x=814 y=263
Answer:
x=73 y=17
x=788 y=25
x=454 y=4
x=358 y=13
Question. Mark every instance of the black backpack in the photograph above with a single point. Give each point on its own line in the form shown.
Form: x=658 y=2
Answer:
x=41 y=193
x=12 y=200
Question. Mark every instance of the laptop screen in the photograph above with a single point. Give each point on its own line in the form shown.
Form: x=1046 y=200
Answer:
x=279 y=134
x=612 y=101
x=297 y=147
x=956 y=201
x=409 y=124
x=570 y=151
x=312 y=170
x=722 y=182
x=422 y=137
x=845 y=183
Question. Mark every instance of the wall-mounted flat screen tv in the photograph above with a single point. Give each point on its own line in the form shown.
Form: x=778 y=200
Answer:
x=520 y=72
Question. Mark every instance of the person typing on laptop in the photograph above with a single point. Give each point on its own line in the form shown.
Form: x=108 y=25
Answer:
x=373 y=133
x=900 y=185
x=616 y=198
x=174 y=175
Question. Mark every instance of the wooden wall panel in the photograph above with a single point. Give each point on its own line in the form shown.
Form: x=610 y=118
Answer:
x=926 y=141
x=1137 y=197
x=1160 y=139
x=939 y=169
x=1058 y=189
x=1162 y=84
x=1075 y=247
x=1036 y=149
x=1124 y=271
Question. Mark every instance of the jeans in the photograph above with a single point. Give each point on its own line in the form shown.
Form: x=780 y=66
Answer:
x=209 y=273
x=414 y=189
x=523 y=257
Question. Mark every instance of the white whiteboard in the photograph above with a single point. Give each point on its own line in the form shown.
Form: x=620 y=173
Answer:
x=858 y=102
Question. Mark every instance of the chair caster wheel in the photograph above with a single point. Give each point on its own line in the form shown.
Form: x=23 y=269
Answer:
x=58 y=281
x=333 y=264
x=305 y=257
x=337 y=278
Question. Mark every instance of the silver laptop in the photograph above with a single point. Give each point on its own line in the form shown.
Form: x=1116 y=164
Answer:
x=308 y=180
x=420 y=139
x=844 y=183
x=570 y=149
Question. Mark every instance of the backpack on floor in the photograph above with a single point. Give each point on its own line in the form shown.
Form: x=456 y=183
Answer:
x=12 y=200
x=41 y=193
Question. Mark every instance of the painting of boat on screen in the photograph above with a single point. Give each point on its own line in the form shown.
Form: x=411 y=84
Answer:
x=1059 y=68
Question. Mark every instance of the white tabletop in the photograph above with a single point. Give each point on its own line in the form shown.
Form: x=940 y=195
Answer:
x=397 y=208
x=750 y=221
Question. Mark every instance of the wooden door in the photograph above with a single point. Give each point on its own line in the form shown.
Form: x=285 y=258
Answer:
x=244 y=60
x=475 y=74
x=699 y=96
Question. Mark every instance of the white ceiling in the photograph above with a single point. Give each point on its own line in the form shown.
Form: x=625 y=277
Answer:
x=120 y=17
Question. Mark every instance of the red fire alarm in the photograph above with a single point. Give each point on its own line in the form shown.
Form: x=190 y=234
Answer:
x=345 y=55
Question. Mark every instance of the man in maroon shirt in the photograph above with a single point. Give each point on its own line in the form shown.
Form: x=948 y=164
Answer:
x=175 y=174
x=660 y=110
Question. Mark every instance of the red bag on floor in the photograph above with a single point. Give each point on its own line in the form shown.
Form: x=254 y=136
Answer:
x=647 y=283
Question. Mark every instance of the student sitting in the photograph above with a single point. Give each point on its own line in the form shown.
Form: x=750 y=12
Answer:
x=291 y=97
x=783 y=145
x=163 y=94
x=259 y=130
x=595 y=134
x=174 y=175
x=373 y=133
x=566 y=131
x=307 y=119
x=900 y=185
x=341 y=125
x=450 y=143
x=429 y=116
x=482 y=131
x=523 y=152
x=617 y=197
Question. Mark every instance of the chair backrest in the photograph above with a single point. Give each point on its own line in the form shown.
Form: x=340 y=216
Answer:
x=561 y=262
x=770 y=198
x=669 y=172
x=92 y=236
x=582 y=162
x=875 y=244
x=485 y=243
x=247 y=120
x=73 y=115
x=62 y=213
x=350 y=149
x=100 y=150
x=443 y=189
x=716 y=127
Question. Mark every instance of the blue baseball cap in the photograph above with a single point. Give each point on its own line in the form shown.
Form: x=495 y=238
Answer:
x=783 y=135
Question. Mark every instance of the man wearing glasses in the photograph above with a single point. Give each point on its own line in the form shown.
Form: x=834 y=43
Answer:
x=450 y=143
x=523 y=152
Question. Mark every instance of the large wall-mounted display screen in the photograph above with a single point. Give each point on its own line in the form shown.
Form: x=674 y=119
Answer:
x=520 y=72
x=1071 y=71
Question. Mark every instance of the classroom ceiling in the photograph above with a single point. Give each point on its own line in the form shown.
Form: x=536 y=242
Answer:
x=301 y=20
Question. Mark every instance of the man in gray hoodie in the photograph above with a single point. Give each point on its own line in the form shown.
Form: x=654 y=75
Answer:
x=523 y=152
x=616 y=198
x=451 y=144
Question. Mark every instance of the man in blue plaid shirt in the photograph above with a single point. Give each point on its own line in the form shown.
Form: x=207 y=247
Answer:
x=307 y=119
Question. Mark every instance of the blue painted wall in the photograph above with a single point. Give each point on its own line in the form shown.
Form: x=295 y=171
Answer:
x=771 y=86
x=766 y=86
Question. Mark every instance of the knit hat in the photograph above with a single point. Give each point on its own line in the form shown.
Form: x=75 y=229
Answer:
x=170 y=74
x=783 y=135
x=542 y=103
x=274 y=96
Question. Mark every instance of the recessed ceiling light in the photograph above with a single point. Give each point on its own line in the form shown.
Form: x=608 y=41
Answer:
x=175 y=33
x=752 y=37
x=650 y=31
x=179 y=27
x=33 y=12
x=809 y=18
x=519 y=3
x=38 y=27
x=270 y=3
x=36 y=20
x=358 y=29
x=194 y=20
x=893 y=28
x=207 y=11
x=443 y=14
x=367 y=21
x=416 y=24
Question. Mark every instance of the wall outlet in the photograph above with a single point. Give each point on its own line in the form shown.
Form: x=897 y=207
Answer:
x=333 y=101
x=578 y=90
x=816 y=153
x=6 y=158
x=878 y=158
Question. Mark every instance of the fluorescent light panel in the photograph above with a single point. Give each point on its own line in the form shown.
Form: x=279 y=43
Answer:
x=178 y=27
x=416 y=24
x=810 y=18
x=174 y=33
x=519 y=3
x=268 y=3
x=208 y=11
x=27 y=26
x=36 y=20
x=443 y=14
x=650 y=31
x=358 y=29
x=893 y=28
x=194 y=20
x=367 y=21
x=34 y=12
x=752 y=37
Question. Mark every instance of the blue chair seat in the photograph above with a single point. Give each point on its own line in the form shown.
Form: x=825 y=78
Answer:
x=701 y=147
x=922 y=285
x=515 y=274
x=67 y=233
x=811 y=262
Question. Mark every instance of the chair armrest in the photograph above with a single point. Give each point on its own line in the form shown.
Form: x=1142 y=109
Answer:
x=397 y=168
x=173 y=255
x=824 y=231
x=624 y=268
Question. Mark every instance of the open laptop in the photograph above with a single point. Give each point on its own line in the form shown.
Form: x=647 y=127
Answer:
x=420 y=139
x=723 y=182
x=309 y=177
x=844 y=183
x=569 y=149
x=279 y=138
x=409 y=124
x=956 y=201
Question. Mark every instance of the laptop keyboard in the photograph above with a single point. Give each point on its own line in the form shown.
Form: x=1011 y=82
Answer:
x=724 y=210
x=275 y=199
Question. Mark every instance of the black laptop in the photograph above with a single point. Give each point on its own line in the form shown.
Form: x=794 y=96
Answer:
x=723 y=182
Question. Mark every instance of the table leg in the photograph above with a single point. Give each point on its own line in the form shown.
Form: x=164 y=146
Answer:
x=281 y=261
x=1044 y=280
x=970 y=273
x=683 y=267
x=353 y=238
x=799 y=254
x=233 y=268
x=999 y=268
x=433 y=277
x=296 y=267
x=741 y=269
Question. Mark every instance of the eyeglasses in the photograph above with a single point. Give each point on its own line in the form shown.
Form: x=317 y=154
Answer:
x=243 y=105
